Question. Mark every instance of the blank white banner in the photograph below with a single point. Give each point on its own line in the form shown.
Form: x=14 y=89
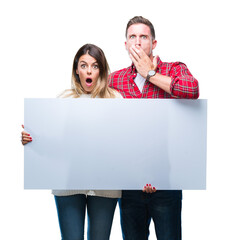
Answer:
x=115 y=143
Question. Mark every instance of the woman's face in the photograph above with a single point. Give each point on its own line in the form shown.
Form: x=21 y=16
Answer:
x=88 y=71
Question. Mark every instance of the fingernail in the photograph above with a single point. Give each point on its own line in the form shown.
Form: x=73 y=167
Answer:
x=28 y=134
x=149 y=184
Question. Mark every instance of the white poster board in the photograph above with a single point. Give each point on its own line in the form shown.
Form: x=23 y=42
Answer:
x=115 y=143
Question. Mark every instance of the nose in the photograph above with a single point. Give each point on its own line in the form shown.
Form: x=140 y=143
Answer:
x=138 y=41
x=89 y=70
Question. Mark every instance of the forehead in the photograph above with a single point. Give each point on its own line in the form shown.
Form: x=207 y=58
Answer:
x=87 y=58
x=139 y=29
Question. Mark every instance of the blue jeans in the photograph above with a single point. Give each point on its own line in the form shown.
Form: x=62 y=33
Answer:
x=71 y=214
x=138 y=208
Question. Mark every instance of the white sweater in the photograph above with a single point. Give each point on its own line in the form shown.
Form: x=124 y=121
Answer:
x=100 y=193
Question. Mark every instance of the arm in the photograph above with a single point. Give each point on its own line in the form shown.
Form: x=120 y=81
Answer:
x=144 y=63
x=162 y=81
x=183 y=84
x=180 y=83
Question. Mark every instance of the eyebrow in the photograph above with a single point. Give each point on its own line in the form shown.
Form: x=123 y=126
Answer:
x=133 y=34
x=82 y=61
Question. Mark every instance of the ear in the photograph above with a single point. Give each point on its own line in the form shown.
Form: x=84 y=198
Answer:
x=154 y=44
x=126 y=45
x=76 y=71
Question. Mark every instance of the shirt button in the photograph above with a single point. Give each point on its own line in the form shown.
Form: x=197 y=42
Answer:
x=133 y=85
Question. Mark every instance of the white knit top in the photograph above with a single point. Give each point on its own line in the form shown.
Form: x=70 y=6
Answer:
x=100 y=193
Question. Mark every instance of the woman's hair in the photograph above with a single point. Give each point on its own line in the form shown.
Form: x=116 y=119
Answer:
x=101 y=89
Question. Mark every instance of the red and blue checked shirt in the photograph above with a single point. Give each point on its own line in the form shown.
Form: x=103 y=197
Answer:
x=183 y=84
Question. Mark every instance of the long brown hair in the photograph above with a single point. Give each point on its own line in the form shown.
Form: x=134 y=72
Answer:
x=101 y=89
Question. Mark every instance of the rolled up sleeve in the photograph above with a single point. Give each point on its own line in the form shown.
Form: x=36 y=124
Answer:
x=183 y=84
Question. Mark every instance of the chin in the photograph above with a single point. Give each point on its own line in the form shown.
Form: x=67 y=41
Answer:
x=88 y=90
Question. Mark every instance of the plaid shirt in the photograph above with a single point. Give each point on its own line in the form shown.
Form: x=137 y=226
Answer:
x=183 y=84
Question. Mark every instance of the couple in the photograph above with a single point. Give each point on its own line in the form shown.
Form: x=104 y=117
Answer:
x=147 y=77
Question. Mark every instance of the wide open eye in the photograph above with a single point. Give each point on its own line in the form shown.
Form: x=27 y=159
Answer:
x=96 y=66
x=144 y=37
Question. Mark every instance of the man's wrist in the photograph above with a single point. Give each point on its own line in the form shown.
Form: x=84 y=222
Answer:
x=151 y=73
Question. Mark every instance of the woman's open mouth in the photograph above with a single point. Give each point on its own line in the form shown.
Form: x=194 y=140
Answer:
x=89 y=81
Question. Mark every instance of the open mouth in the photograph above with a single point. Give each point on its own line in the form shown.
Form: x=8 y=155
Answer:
x=89 y=81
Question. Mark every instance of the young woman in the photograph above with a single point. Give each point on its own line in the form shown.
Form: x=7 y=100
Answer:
x=89 y=79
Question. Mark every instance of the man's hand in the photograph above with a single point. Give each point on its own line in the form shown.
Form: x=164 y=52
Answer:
x=142 y=62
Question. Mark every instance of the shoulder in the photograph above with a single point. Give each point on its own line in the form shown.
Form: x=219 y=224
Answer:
x=172 y=68
x=117 y=94
x=68 y=93
x=171 y=65
x=119 y=73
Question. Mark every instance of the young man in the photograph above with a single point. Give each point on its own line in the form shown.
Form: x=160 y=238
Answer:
x=149 y=77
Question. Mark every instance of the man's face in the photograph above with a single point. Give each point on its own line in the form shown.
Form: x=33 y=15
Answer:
x=139 y=34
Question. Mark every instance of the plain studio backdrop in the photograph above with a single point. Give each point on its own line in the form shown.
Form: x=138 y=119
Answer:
x=38 y=42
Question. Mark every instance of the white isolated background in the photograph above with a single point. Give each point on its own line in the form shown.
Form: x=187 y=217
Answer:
x=38 y=42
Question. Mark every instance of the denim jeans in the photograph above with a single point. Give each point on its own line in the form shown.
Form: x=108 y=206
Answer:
x=71 y=214
x=138 y=208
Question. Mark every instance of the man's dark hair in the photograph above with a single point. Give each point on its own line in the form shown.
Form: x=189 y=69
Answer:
x=140 y=19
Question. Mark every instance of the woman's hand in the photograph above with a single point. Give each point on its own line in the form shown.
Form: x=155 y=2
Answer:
x=149 y=189
x=25 y=137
